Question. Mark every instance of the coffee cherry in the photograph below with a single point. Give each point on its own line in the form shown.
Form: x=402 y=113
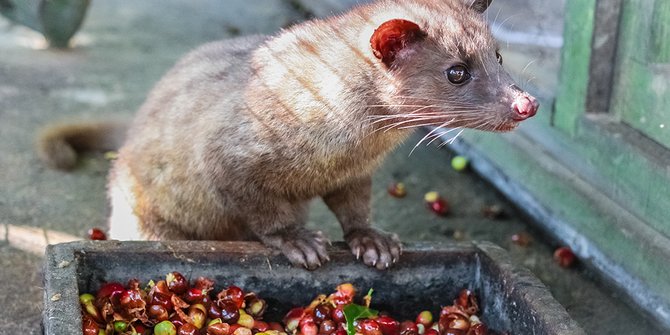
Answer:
x=464 y=306
x=368 y=327
x=309 y=328
x=436 y=203
x=204 y=284
x=322 y=312
x=463 y=298
x=346 y=290
x=138 y=328
x=198 y=315
x=242 y=331
x=431 y=331
x=431 y=196
x=134 y=284
x=131 y=300
x=408 y=327
x=255 y=306
x=165 y=328
x=292 y=318
x=246 y=320
x=260 y=326
x=207 y=300
x=86 y=298
x=158 y=313
x=343 y=295
x=439 y=207
x=177 y=320
x=459 y=163
x=308 y=317
x=89 y=326
x=454 y=332
x=458 y=235
x=96 y=234
x=234 y=294
x=479 y=329
x=275 y=326
x=459 y=323
x=161 y=287
x=425 y=318
x=187 y=329
x=109 y=289
x=388 y=325
x=233 y=328
x=214 y=312
x=176 y=282
x=564 y=257
x=337 y=314
x=194 y=295
x=160 y=295
x=397 y=190
x=229 y=312
x=327 y=327
x=86 y=301
x=120 y=326
x=218 y=328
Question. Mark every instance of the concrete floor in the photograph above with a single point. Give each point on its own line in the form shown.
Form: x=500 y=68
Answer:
x=123 y=48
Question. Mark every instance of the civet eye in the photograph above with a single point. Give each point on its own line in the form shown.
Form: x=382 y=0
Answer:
x=499 y=57
x=457 y=74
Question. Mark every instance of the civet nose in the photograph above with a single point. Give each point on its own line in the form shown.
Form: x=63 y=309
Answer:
x=524 y=106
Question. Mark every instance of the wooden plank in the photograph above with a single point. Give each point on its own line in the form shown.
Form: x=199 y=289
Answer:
x=636 y=170
x=575 y=60
x=603 y=50
x=623 y=248
x=641 y=94
x=660 y=32
x=34 y=240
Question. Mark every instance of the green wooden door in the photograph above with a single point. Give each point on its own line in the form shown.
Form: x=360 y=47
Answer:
x=642 y=74
x=600 y=162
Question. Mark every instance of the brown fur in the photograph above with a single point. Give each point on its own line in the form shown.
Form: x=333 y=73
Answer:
x=241 y=134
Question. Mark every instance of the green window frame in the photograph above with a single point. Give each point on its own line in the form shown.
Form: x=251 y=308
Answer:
x=591 y=175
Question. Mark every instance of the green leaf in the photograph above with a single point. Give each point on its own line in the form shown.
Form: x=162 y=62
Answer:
x=353 y=312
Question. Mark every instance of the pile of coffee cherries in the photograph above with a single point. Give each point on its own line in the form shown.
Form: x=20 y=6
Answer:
x=173 y=307
x=327 y=315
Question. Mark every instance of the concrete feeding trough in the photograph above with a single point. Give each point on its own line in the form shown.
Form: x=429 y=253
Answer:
x=428 y=276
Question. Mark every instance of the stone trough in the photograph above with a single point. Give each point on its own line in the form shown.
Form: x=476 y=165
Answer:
x=428 y=276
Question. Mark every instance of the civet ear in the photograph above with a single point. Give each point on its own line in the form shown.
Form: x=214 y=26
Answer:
x=479 y=5
x=393 y=36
